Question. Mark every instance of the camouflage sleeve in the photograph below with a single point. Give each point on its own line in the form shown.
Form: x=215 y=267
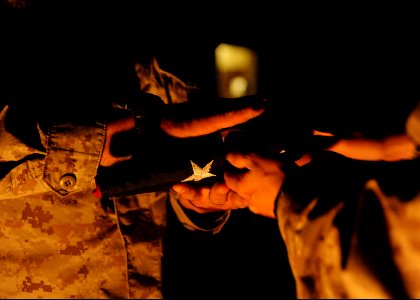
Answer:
x=67 y=164
x=73 y=156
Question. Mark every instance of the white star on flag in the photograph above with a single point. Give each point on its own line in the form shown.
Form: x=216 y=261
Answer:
x=199 y=173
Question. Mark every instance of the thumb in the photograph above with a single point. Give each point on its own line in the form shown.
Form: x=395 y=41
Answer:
x=107 y=159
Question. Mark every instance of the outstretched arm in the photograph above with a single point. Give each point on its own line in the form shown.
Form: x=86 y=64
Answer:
x=182 y=128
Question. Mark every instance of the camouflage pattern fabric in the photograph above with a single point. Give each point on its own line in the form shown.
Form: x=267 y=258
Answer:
x=359 y=237
x=58 y=240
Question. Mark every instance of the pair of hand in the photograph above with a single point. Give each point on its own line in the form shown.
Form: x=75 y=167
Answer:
x=258 y=186
x=221 y=196
x=189 y=125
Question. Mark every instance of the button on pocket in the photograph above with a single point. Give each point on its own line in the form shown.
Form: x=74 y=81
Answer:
x=68 y=181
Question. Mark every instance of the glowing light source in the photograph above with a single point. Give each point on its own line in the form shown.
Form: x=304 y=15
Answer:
x=236 y=69
x=238 y=86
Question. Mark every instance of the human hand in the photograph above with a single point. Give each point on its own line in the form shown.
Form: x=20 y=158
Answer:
x=258 y=185
x=206 y=199
x=113 y=128
x=185 y=120
x=255 y=187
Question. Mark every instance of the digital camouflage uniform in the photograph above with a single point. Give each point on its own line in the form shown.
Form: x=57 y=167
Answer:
x=357 y=235
x=59 y=240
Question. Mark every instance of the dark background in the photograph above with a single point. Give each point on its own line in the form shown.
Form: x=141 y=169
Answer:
x=340 y=74
x=247 y=259
x=66 y=60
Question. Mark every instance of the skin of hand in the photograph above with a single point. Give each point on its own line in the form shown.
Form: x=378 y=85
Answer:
x=198 y=199
x=125 y=124
x=256 y=187
x=259 y=185
x=180 y=129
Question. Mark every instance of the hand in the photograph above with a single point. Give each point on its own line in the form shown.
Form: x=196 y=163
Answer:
x=125 y=124
x=259 y=185
x=256 y=187
x=188 y=127
x=208 y=124
x=207 y=199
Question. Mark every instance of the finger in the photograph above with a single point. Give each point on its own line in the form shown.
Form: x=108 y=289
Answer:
x=218 y=194
x=321 y=133
x=252 y=161
x=237 y=200
x=208 y=124
x=180 y=188
x=191 y=206
x=204 y=200
x=240 y=161
x=113 y=128
x=223 y=198
x=190 y=193
x=237 y=182
x=111 y=160
x=190 y=197
x=196 y=198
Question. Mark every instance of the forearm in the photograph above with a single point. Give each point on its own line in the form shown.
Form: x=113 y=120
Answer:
x=393 y=148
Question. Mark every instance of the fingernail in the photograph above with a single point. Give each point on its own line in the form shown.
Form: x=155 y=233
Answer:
x=221 y=190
